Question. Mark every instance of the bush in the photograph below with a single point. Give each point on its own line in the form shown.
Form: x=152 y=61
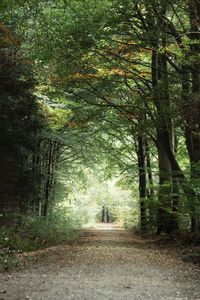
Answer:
x=25 y=233
x=10 y=244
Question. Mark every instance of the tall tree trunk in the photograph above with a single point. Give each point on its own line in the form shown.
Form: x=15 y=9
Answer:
x=150 y=192
x=151 y=209
x=142 y=180
x=191 y=107
x=51 y=166
x=48 y=181
x=163 y=141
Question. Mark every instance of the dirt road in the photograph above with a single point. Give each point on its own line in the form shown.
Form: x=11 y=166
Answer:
x=107 y=263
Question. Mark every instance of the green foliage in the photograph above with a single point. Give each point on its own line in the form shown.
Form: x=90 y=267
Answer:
x=108 y=72
x=20 y=122
x=27 y=233
x=10 y=245
x=90 y=190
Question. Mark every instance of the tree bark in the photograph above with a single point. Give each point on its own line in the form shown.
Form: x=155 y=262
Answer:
x=142 y=180
x=191 y=107
x=163 y=140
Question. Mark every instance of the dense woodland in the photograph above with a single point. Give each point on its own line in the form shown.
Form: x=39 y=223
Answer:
x=107 y=86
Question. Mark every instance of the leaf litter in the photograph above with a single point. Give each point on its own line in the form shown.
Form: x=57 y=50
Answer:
x=106 y=263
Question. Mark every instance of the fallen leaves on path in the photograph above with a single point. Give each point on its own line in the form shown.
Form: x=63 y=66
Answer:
x=106 y=263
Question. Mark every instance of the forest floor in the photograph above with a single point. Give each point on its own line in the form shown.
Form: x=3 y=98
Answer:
x=107 y=262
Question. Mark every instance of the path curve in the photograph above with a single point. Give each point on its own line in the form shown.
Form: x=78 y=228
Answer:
x=106 y=263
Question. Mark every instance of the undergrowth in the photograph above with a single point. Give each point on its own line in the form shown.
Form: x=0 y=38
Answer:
x=25 y=233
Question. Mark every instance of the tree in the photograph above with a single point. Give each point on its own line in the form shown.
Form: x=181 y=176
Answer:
x=119 y=83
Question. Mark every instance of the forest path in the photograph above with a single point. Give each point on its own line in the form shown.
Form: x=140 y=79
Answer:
x=106 y=263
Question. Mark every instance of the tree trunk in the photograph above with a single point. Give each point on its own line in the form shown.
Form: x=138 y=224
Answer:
x=163 y=141
x=191 y=107
x=142 y=181
x=150 y=191
x=48 y=181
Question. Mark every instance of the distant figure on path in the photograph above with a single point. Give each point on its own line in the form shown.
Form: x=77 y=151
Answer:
x=105 y=215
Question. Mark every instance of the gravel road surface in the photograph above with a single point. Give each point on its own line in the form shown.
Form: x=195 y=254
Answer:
x=106 y=263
